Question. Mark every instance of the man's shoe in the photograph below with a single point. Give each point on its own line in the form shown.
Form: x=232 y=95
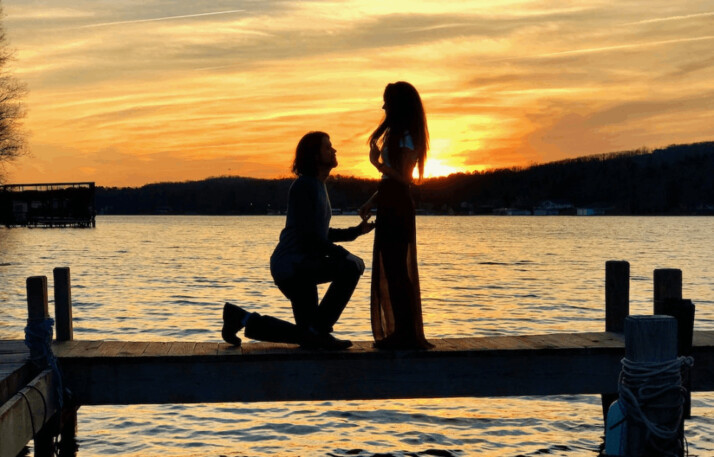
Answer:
x=335 y=344
x=325 y=341
x=233 y=317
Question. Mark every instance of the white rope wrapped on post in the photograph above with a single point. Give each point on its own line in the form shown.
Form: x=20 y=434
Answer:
x=652 y=383
x=647 y=418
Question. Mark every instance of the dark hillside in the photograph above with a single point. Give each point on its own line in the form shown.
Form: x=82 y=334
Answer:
x=678 y=179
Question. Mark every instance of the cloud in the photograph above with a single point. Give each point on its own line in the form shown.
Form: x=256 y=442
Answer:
x=672 y=18
x=626 y=46
x=173 y=85
x=156 y=19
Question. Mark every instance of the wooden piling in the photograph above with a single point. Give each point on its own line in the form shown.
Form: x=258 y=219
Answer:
x=63 y=305
x=667 y=292
x=652 y=339
x=37 y=310
x=617 y=295
x=667 y=285
x=617 y=308
x=683 y=311
x=64 y=330
x=37 y=298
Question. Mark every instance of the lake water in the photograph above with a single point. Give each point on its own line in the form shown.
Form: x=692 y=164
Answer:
x=163 y=278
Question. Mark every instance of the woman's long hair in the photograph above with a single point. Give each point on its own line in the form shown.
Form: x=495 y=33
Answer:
x=404 y=111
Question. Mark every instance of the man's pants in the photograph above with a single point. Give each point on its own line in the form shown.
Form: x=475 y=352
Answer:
x=301 y=290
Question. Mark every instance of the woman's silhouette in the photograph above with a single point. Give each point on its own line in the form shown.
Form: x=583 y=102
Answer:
x=397 y=145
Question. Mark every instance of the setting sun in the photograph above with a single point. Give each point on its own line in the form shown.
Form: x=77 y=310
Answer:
x=439 y=162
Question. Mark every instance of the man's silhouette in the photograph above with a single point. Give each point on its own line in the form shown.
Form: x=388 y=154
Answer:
x=306 y=256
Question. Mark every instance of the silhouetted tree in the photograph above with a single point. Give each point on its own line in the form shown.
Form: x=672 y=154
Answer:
x=12 y=139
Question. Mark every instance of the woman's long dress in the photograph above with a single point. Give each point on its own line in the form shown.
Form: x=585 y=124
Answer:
x=396 y=298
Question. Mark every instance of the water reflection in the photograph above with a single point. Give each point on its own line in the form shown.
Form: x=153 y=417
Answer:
x=166 y=278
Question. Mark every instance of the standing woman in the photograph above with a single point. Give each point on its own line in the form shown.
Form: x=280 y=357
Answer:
x=397 y=145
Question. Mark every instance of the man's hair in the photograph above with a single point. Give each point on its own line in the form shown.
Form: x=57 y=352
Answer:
x=306 y=153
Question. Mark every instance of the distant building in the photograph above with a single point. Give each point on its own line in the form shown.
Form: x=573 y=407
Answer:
x=48 y=205
x=590 y=211
x=511 y=212
x=553 y=208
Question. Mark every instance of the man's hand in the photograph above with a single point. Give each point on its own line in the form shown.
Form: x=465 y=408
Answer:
x=359 y=263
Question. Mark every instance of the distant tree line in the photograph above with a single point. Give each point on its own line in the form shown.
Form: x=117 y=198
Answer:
x=678 y=179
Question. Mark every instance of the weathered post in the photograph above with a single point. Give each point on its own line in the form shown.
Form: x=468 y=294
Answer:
x=617 y=295
x=667 y=285
x=64 y=331
x=37 y=314
x=683 y=311
x=668 y=301
x=63 y=304
x=651 y=368
x=617 y=308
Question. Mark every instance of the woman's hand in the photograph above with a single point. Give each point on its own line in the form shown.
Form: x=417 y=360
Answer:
x=366 y=227
x=365 y=211
x=374 y=154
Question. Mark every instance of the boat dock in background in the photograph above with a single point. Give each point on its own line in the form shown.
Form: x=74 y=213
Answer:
x=68 y=204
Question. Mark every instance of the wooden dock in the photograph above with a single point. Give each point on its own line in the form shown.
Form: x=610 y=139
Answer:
x=120 y=372
x=115 y=372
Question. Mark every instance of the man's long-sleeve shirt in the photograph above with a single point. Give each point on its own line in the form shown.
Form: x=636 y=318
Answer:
x=307 y=231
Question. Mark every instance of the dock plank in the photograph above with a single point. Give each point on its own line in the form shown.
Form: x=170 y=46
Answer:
x=444 y=344
x=84 y=349
x=703 y=338
x=133 y=348
x=504 y=343
x=261 y=348
x=23 y=413
x=64 y=347
x=155 y=349
x=604 y=339
x=182 y=348
x=13 y=347
x=15 y=371
x=110 y=348
x=205 y=349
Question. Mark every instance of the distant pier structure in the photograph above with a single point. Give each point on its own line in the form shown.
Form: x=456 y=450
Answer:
x=69 y=204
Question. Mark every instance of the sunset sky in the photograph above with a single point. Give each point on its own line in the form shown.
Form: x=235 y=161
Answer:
x=131 y=92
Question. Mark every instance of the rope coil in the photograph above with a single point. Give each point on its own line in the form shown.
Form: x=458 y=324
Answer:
x=651 y=385
x=38 y=338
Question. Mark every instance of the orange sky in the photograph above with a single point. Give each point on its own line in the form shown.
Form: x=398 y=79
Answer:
x=127 y=93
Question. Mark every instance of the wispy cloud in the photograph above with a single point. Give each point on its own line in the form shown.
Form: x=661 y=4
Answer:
x=672 y=18
x=156 y=19
x=626 y=46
